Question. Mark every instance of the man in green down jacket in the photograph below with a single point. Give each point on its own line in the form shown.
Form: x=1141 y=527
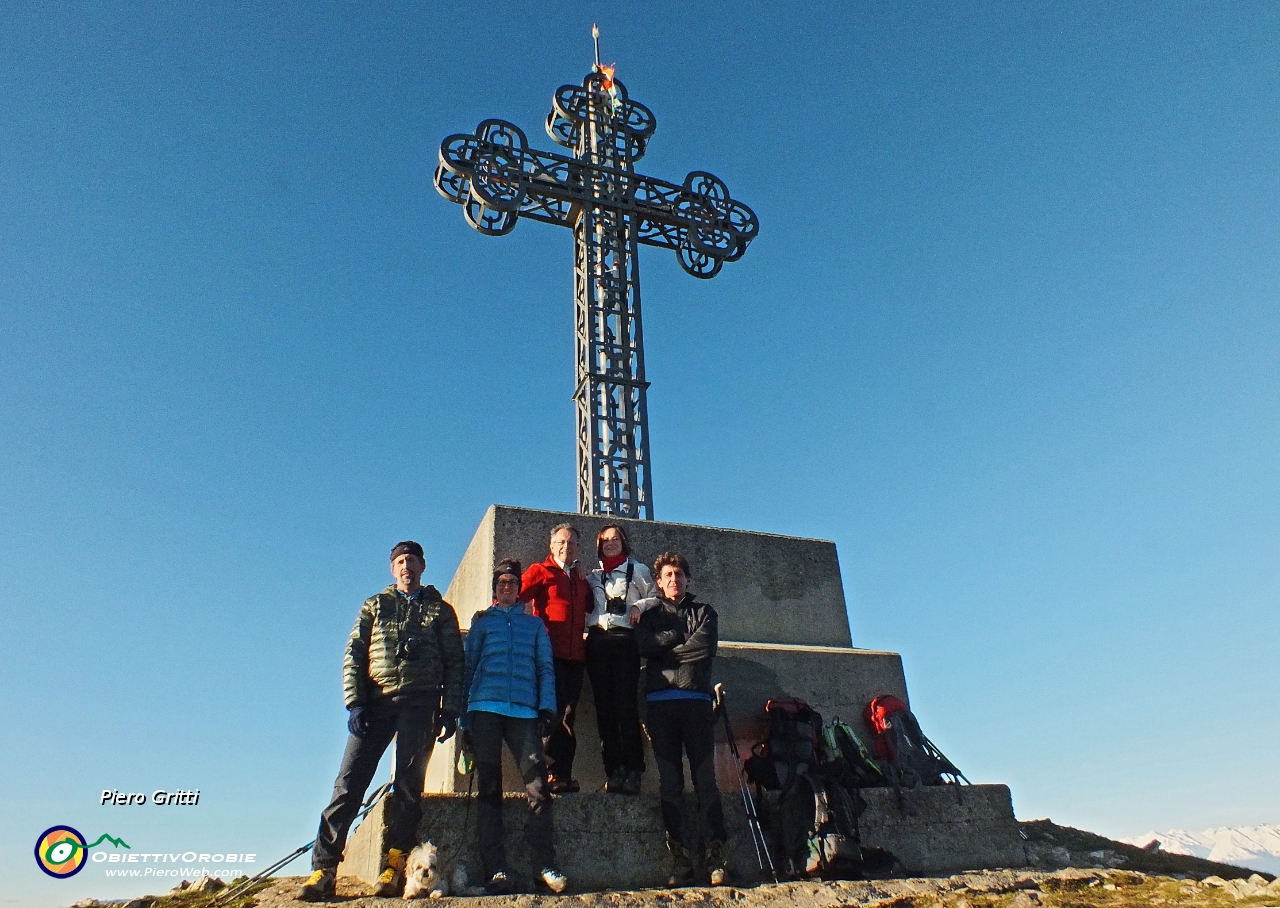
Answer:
x=401 y=678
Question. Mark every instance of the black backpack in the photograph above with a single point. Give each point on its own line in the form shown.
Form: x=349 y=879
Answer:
x=790 y=745
x=819 y=826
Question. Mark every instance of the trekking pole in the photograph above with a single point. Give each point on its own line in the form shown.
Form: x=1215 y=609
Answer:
x=466 y=767
x=951 y=769
x=763 y=858
x=288 y=859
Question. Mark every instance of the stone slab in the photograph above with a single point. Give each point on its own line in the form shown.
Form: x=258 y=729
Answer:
x=836 y=681
x=942 y=830
x=766 y=588
x=606 y=841
x=362 y=858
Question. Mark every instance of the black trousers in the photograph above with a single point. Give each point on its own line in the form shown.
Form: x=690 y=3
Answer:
x=413 y=726
x=676 y=728
x=613 y=664
x=563 y=743
x=488 y=731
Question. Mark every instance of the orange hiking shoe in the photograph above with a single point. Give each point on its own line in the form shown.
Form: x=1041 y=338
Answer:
x=391 y=880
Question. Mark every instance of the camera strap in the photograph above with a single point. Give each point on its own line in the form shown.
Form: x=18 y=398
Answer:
x=419 y=607
x=413 y=608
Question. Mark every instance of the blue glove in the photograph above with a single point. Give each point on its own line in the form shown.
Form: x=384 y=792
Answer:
x=358 y=721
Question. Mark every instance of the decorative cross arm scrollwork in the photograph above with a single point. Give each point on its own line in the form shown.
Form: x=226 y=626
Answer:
x=497 y=178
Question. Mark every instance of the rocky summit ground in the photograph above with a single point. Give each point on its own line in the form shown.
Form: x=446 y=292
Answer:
x=1115 y=876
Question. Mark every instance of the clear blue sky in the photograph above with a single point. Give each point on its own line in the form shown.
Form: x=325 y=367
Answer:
x=1008 y=336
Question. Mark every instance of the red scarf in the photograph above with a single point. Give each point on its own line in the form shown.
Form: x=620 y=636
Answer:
x=610 y=563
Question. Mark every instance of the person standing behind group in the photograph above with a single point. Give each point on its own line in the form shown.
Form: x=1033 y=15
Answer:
x=557 y=592
x=678 y=638
x=622 y=588
x=510 y=685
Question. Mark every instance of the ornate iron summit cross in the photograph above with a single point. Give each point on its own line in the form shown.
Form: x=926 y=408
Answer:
x=498 y=178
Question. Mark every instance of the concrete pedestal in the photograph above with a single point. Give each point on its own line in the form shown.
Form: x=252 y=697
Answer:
x=610 y=841
x=783 y=625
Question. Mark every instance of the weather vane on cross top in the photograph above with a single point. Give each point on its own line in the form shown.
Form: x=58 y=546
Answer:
x=498 y=178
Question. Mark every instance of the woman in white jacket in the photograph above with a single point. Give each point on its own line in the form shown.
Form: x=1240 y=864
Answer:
x=623 y=589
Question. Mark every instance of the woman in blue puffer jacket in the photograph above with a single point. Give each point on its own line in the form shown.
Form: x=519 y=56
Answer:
x=510 y=681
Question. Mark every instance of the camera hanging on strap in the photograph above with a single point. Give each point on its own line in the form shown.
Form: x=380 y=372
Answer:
x=617 y=605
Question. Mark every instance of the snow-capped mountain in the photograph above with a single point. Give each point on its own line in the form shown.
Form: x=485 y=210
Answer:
x=1257 y=847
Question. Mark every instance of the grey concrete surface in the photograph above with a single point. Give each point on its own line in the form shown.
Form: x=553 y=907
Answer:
x=362 y=858
x=941 y=830
x=606 y=841
x=836 y=681
x=766 y=588
x=471 y=589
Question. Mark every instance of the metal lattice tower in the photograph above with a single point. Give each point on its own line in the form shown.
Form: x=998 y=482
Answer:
x=611 y=209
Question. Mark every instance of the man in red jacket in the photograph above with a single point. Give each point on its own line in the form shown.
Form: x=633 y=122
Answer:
x=557 y=592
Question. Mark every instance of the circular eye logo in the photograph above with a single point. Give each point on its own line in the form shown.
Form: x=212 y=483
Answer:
x=61 y=851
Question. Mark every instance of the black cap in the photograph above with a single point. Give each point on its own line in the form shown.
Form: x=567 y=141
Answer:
x=505 y=566
x=408 y=547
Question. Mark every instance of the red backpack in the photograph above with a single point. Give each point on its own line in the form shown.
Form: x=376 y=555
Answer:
x=908 y=758
x=876 y=715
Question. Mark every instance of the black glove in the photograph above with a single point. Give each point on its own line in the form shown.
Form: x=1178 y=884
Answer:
x=446 y=725
x=546 y=723
x=358 y=721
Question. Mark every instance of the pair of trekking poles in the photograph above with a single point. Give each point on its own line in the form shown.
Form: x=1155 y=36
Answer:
x=244 y=885
x=758 y=841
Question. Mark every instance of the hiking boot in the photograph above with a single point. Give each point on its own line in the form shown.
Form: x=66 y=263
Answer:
x=553 y=879
x=616 y=781
x=681 y=865
x=391 y=880
x=320 y=886
x=631 y=783
x=716 y=861
x=561 y=786
x=499 y=884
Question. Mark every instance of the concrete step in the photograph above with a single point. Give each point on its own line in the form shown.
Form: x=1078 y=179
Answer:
x=610 y=841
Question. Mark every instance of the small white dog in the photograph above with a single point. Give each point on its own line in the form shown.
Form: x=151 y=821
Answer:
x=428 y=875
